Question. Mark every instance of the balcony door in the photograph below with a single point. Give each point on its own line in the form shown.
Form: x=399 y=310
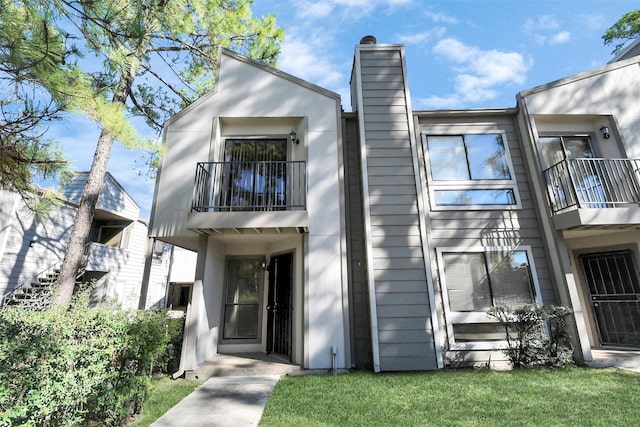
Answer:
x=556 y=149
x=571 y=181
x=614 y=288
x=255 y=176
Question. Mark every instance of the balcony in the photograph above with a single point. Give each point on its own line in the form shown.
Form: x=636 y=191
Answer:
x=594 y=192
x=256 y=197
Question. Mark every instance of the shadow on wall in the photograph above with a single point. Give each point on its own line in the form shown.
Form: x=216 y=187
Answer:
x=36 y=244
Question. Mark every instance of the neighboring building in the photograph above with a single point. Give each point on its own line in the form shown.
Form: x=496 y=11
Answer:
x=379 y=238
x=115 y=256
x=581 y=136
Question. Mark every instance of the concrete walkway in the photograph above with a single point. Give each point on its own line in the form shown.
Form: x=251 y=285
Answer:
x=222 y=401
x=235 y=391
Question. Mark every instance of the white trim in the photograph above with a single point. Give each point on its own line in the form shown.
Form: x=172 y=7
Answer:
x=368 y=247
x=422 y=214
x=478 y=184
x=344 y=276
x=9 y=226
x=459 y=317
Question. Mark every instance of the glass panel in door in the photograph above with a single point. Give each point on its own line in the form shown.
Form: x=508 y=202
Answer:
x=255 y=174
x=243 y=284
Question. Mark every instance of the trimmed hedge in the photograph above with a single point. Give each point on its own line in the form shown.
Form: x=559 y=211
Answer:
x=82 y=366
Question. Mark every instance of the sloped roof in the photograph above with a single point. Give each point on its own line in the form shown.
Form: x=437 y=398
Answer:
x=225 y=53
x=629 y=51
x=580 y=76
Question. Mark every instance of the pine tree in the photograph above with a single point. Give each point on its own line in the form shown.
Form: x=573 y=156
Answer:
x=145 y=58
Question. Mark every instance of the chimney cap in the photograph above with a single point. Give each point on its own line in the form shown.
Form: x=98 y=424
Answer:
x=368 y=40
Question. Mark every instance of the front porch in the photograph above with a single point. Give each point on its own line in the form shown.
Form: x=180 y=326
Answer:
x=237 y=364
x=624 y=359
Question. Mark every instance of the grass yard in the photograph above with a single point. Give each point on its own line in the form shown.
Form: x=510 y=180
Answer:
x=163 y=395
x=572 y=397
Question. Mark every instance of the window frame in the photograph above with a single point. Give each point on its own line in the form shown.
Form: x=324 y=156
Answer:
x=124 y=234
x=260 y=304
x=470 y=184
x=474 y=317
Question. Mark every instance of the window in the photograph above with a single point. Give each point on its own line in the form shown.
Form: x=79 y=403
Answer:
x=556 y=149
x=116 y=236
x=471 y=170
x=473 y=281
x=243 y=287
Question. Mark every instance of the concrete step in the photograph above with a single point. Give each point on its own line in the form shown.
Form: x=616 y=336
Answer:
x=626 y=359
x=242 y=364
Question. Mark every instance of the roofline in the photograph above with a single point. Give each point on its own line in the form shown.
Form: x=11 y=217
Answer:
x=115 y=181
x=468 y=112
x=579 y=76
x=624 y=51
x=223 y=51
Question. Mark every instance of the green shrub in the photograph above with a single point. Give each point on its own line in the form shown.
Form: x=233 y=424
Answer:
x=528 y=344
x=79 y=366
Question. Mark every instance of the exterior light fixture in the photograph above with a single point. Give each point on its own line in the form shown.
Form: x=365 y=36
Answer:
x=605 y=132
x=264 y=264
x=293 y=137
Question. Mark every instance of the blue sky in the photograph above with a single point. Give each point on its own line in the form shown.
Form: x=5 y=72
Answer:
x=460 y=54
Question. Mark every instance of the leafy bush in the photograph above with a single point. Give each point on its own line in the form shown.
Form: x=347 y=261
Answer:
x=528 y=345
x=82 y=366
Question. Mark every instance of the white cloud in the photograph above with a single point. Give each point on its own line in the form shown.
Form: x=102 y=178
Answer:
x=592 y=22
x=544 y=30
x=313 y=9
x=440 y=17
x=561 y=37
x=544 y=22
x=423 y=37
x=478 y=74
x=310 y=59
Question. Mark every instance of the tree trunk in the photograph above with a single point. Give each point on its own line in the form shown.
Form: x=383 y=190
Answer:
x=74 y=255
x=84 y=217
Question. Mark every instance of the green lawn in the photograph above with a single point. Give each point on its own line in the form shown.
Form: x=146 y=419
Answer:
x=572 y=397
x=163 y=395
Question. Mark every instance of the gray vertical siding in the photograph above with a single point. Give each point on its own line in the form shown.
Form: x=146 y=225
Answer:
x=402 y=301
x=356 y=256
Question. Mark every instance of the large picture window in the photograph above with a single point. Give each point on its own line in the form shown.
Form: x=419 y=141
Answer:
x=473 y=281
x=470 y=170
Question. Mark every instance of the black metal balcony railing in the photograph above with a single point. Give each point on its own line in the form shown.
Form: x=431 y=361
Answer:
x=249 y=186
x=593 y=183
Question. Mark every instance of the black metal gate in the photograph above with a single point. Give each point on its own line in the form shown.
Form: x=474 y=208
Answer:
x=614 y=288
x=279 y=305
